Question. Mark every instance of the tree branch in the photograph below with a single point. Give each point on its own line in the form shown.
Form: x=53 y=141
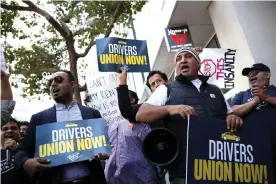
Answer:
x=15 y=8
x=108 y=31
x=49 y=18
x=83 y=88
x=66 y=28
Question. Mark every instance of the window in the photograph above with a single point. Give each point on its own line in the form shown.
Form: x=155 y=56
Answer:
x=213 y=43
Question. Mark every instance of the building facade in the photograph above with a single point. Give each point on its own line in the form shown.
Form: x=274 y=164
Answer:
x=248 y=27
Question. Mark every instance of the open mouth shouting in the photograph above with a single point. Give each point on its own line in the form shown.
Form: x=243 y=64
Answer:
x=184 y=68
x=55 y=91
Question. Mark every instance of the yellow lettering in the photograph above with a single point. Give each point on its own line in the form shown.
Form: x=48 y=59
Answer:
x=227 y=171
x=62 y=147
x=88 y=144
x=238 y=172
x=42 y=150
x=265 y=175
x=119 y=59
x=51 y=149
x=111 y=59
x=56 y=148
x=198 y=169
x=80 y=144
x=257 y=173
x=70 y=146
x=246 y=173
x=133 y=59
x=207 y=169
x=140 y=60
x=219 y=170
x=102 y=61
x=128 y=60
x=97 y=142
x=213 y=170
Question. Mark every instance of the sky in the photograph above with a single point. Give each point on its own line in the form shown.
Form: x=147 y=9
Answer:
x=24 y=108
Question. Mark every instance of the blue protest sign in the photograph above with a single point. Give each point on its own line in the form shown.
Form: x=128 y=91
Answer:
x=215 y=155
x=71 y=141
x=115 y=52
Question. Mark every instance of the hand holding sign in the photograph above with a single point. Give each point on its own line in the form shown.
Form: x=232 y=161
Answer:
x=34 y=165
x=233 y=122
x=122 y=76
x=101 y=156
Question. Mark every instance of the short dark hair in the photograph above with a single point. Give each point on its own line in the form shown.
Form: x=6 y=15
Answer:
x=70 y=75
x=163 y=76
x=11 y=120
x=132 y=94
x=26 y=123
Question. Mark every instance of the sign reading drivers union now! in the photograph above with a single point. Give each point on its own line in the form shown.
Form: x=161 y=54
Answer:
x=219 y=64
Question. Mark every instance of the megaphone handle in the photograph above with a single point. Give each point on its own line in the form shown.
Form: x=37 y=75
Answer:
x=163 y=171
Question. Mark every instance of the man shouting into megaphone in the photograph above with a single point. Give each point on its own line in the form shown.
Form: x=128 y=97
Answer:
x=189 y=94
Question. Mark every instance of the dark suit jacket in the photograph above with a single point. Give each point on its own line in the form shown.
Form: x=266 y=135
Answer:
x=27 y=147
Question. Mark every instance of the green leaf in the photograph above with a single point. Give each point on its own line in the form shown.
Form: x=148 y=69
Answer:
x=47 y=50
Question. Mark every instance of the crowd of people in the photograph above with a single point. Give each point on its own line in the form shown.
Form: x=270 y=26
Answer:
x=189 y=94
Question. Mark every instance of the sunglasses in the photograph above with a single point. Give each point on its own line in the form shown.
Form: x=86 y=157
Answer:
x=57 y=80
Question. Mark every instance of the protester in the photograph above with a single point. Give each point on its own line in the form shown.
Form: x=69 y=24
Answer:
x=7 y=103
x=189 y=94
x=127 y=163
x=9 y=138
x=23 y=127
x=155 y=78
x=260 y=93
x=66 y=109
x=260 y=96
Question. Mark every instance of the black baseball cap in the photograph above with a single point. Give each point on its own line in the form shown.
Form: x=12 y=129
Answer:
x=257 y=66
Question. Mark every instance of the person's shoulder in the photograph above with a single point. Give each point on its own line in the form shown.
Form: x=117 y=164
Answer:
x=43 y=112
x=245 y=92
x=93 y=111
x=87 y=108
x=273 y=88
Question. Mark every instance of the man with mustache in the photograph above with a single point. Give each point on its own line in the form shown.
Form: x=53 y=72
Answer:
x=189 y=94
x=260 y=93
x=260 y=96
x=61 y=85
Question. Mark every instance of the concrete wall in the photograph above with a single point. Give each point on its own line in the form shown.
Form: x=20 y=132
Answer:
x=258 y=21
x=150 y=25
x=250 y=28
x=230 y=35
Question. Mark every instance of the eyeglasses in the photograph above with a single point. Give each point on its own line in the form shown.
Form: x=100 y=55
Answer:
x=253 y=73
x=57 y=79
